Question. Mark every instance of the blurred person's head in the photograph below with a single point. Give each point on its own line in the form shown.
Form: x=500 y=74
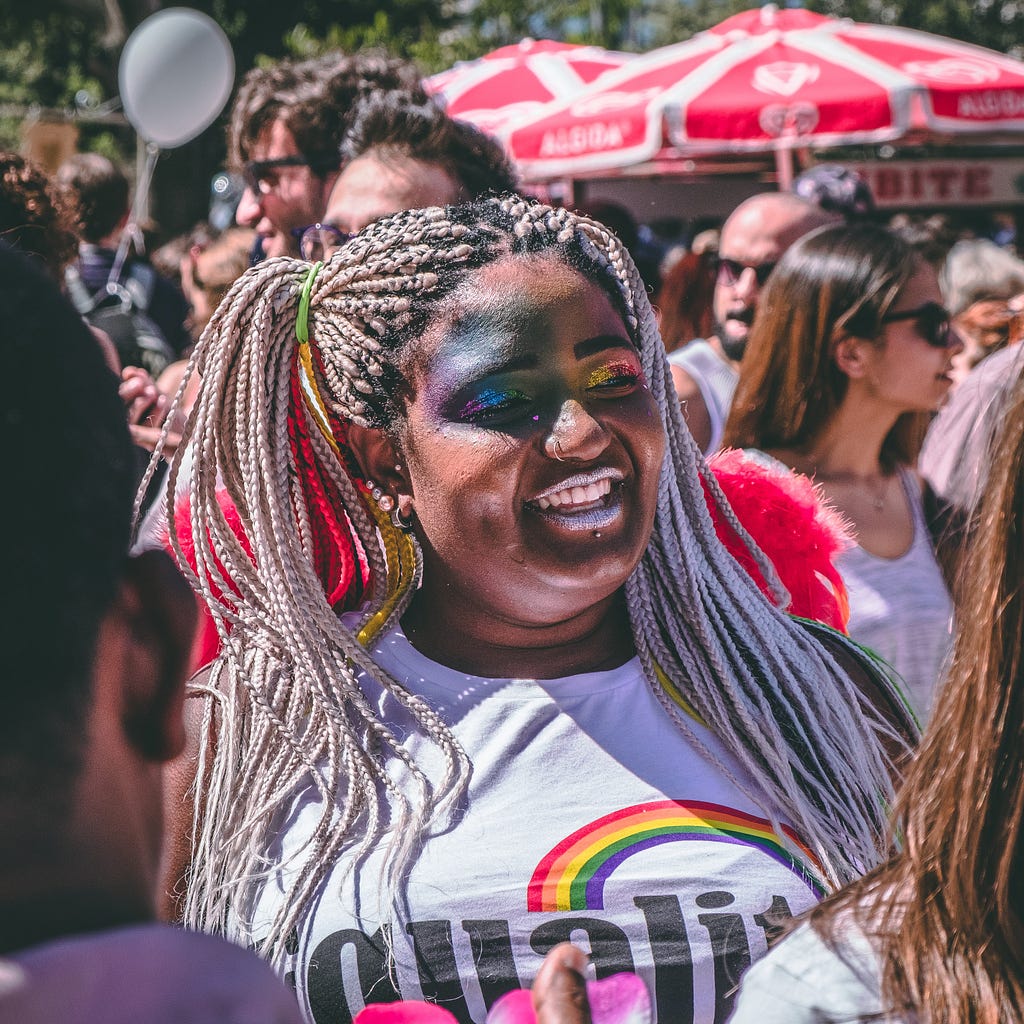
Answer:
x=100 y=191
x=208 y=271
x=707 y=240
x=753 y=240
x=634 y=237
x=35 y=216
x=837 y=189
x=931 y=237
x=980 y=282
x=405 y=156
x=287 y=126
x=95 y=642
x=847 y=307
x=685 y=299
x=167 y=259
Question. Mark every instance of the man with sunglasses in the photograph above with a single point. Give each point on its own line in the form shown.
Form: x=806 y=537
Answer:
x=287 y=126
x=754 y=237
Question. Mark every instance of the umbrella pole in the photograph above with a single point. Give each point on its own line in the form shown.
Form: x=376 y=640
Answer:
x=784 y=168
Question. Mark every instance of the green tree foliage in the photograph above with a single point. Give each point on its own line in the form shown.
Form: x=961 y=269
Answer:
x=51 y=49
x=676 y=22
x=260 y=29
x=996 y=24
x=46 y=60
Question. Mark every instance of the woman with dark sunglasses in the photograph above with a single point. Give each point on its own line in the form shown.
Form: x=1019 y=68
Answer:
x=849 y=355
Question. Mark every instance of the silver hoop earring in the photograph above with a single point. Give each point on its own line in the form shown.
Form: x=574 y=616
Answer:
x=405 y=525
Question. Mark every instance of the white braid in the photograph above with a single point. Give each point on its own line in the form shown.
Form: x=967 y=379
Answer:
x=289 y=710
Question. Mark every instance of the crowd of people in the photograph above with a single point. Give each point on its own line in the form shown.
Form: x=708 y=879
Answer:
x=540 y=600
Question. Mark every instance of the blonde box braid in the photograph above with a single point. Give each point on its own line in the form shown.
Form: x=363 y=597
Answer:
x=289 y=708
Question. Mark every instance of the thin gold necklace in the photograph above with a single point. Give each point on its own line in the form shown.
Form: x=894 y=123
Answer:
x=876 y=493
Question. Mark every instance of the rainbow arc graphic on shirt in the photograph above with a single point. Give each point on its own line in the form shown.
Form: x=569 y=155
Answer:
x=573 y=874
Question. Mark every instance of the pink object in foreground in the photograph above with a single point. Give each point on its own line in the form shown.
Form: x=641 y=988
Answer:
x=620 y=999
x=405 y=1011
x=789 y=520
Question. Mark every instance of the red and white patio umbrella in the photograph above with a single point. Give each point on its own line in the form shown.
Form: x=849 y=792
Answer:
x=769 y=79
x=517 y=80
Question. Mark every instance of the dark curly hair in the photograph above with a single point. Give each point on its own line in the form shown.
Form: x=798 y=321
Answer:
x=100 y=191
x=391 y=124
x=316 y=100
x=36 y=216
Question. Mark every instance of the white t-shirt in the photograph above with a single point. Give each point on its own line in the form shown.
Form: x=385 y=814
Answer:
x=590 y=817
x=805 y=980
x=716 y=379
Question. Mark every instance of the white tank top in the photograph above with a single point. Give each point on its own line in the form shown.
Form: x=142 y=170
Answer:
x=715 y=379
x=900 y=607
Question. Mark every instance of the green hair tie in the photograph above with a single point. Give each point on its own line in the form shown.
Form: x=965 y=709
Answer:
x=302 y=324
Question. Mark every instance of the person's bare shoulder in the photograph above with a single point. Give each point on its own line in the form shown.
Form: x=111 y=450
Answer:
x=694 y=407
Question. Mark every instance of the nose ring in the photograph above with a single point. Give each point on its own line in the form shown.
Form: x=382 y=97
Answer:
x=557 y=449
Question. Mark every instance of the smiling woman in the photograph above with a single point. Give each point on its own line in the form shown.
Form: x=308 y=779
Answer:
x=490 y=680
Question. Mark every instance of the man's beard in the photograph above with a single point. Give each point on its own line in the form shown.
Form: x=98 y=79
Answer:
x=734 y=347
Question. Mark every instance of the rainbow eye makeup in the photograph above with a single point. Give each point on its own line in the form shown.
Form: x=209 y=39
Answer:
x=490 y=403
x=614 y=375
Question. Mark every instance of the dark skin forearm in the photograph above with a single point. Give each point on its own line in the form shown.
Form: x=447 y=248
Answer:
x=180 y=780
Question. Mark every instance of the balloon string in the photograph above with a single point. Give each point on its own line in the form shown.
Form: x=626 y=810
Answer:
x=131 y=228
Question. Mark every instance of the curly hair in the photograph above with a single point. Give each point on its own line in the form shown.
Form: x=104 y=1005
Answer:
x=316 y=100
x=35 y=215
x=99 y=189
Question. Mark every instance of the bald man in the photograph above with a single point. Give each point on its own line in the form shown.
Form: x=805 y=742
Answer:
x=754 y=238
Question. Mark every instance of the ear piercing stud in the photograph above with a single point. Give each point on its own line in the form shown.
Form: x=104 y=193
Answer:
x=384 y=501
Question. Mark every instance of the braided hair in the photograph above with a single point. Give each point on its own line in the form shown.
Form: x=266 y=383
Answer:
x=287 y=709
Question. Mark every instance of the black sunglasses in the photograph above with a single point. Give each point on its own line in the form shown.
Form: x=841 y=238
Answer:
x=256 y=173
x=932 y=323
x=730 y=271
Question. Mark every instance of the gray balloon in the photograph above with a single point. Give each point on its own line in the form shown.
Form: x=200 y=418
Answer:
x=175 y=75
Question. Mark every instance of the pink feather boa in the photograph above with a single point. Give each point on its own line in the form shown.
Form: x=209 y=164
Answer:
x=789 y=520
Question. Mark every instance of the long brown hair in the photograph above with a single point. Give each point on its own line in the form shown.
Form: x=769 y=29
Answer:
x=837 y=280
x=685 y=300
x=945 y=916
